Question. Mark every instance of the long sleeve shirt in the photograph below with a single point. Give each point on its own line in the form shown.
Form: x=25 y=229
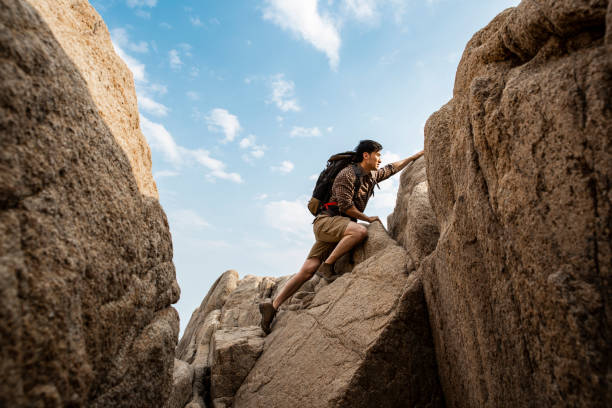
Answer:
x=343 y=189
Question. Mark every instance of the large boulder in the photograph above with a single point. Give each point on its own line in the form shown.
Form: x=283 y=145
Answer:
x=86 y=273
x=361 y=341
x=519 y=165
x=413 y=223
x=222 y=339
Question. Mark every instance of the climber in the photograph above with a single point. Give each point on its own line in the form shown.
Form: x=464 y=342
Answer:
x=335 y=228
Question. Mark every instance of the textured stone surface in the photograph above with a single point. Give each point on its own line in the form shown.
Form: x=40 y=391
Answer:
x=234 y=351
x=86 y=273
x=182 y=385
x=85 y=39
x=225 y=318
x=519 y=165
x=337 y=351
x=413 y=223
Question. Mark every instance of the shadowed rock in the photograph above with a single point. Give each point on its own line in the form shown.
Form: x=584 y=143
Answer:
x=519 y=165
x=86 y=273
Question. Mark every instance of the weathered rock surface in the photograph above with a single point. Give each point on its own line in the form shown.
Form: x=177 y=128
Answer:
x=234 y=351
x=361 y=341
x=182 y=385
x=85 y=39
x=337 y=350
x=413 y=223
x=86 y=273
x=222 y=339
x=519 y=165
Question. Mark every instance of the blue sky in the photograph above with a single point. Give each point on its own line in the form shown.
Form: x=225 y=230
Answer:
x=242 y=102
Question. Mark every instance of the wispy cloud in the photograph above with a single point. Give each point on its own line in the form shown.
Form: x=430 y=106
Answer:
x=149 y=105
x=220 y=120
x=299 y=131
x=290 y=217
x=165 y=173
x=141 y=3
x=195 y=21
x=364 y=10
x=175 y=60
x=187 y=219
x=120 y=37
x=161 y=140
x=285 y=167
x=283 y=93
x=194 y=96
x=136 y=67
x=256 y=151
x=302 y=18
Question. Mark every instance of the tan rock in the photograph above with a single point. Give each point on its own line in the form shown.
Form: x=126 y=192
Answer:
x=234 y=351
x=413 y=223
x=86 y=273
x=337 y=351
x=228 y=313
x=85 y=39
x=182 y=382
x=518 y=165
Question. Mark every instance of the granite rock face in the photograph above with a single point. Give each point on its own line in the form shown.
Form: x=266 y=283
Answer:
x=519 y=165
x=86 y=273
x=360 y=341
x=85 y=39
x=223 y=339
x=413 y=223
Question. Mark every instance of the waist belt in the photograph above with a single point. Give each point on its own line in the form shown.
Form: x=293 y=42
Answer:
x=333 y=210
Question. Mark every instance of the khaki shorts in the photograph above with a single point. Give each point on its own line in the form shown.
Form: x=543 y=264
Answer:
x=328 y=231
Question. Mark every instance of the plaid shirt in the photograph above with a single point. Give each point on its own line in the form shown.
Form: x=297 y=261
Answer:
x=343 y=190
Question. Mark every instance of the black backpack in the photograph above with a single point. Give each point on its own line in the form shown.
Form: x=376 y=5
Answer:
x=322 y=191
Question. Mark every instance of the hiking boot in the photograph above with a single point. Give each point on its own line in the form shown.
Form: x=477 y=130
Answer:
x=268 y=312
x=326 y=271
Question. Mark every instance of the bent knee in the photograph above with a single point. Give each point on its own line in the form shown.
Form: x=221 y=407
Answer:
x=362 y=233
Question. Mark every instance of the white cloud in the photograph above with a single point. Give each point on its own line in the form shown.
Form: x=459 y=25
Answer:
x=216 y=167
x=150 y=106
x=141 y=3
x=298 y=131
x=330 y=129
x=314 y=177
x=160 y=139
x=261 y=196
x=120 y=37
x=257 y=153
x=187 y=219
x=283 y=94
x=175 y=60
x=195 y=21
x=389 y=157
x=302 y=18
x=165 y=173
x=285 y=167
x=256 y=150
x=165 y=25
x=158 y=88
x=386 y=197
x=364 y=10
x=220 y=120
x=136 y=67
x=291 y=217
x=194 y=96
x=186 y=48
x=143 y=14
x=247 y=141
